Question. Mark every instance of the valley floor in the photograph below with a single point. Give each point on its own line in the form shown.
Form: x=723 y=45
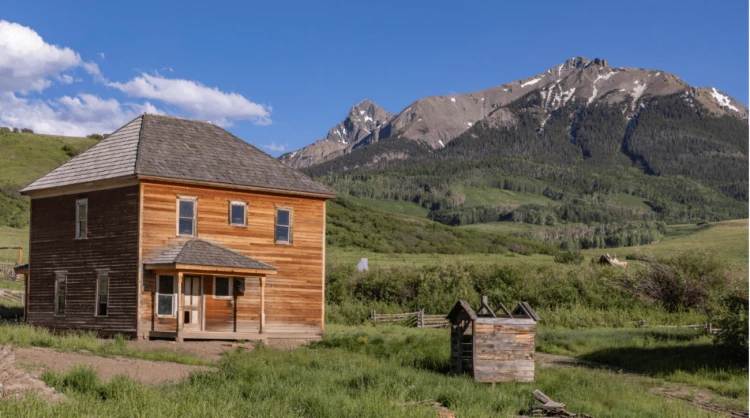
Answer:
x=386 y=371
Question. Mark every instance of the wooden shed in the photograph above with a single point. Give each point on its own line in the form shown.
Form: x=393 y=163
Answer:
x=493 y=346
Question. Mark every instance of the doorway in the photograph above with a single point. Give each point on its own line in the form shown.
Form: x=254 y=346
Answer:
x=192 y=291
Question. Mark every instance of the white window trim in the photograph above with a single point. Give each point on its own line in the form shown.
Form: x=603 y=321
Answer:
x=238 y=203
x=231 y=288
x=174 y=296
x=290 y=209
x=78 y=206
x=194 y=199
x=96 y=297
x=60 y=275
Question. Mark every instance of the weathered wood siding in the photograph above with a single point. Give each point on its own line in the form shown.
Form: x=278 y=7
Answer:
x=293 y=297
x=111 y=243
x=504 y=349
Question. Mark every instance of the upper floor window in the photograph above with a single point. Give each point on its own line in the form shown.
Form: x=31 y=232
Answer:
x=237 y=213
x=186 y=216
x=283 y=225
x=61 y=278
x=82 y=213
x=102 y=292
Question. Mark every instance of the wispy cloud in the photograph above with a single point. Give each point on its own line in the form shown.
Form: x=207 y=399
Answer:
x=273 y=146
x=29 y=65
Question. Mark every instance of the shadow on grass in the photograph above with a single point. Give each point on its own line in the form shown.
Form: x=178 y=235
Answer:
x=11 y=313
x=691 y=359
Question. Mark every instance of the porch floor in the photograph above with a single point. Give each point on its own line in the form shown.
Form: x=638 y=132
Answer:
x=232 y=336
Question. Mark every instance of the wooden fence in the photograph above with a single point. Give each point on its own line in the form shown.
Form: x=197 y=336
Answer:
x=11 y=296
x=413 y=319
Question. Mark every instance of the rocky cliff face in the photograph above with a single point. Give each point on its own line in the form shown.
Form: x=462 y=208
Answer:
x=363 y=120
x=437 y=120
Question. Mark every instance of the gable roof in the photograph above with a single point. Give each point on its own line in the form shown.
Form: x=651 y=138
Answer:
x=182 y=149
x=197 y=252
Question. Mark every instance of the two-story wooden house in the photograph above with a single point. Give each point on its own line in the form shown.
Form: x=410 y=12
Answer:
x=176 y=228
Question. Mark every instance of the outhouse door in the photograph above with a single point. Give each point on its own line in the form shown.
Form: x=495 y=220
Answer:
x=193 y=292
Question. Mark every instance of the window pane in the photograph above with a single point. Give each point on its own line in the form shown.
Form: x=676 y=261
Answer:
x=82 y=229
x=165 y=304
x=61 y=303
x=103 y=283
x=166 y=284
x=186 y=226
x=186 y=208
x=282 y=217
x=222 y=286
x=282 y=233
x=82 y=211
x=102 y=309
x=238 y=214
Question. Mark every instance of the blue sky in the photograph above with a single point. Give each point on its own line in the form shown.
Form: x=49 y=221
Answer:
x=280 y=74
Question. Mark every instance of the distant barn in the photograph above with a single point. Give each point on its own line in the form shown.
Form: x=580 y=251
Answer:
x=491 y=347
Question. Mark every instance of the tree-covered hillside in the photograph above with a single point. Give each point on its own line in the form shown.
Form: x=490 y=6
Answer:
x=684 y=163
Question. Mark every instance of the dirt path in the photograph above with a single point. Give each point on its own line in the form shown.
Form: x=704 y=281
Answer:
x=698 y=397
x=38 y=359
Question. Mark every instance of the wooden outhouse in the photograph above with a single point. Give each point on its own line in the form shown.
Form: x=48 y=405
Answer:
x=493 y=346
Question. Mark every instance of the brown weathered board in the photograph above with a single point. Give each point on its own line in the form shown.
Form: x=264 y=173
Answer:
x=293 y=297
x=504 y=349
x=111 y=243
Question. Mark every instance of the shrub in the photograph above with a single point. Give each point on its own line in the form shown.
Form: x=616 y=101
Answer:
x=4 y=129
x=69 y=151
x=27 y=131
x=15 y=130
x=734 y=326
x=95 y=136
x=569 y=257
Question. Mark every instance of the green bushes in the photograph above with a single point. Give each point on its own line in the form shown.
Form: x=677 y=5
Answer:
x=683 y=289
x=734 y=326
x=569 y=257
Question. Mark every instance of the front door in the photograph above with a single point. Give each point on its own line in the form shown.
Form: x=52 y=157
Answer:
x=192 y=289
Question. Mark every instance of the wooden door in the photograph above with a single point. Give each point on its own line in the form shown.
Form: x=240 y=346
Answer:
x=192 y=289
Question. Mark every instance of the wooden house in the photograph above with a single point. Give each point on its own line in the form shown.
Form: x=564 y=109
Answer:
x=176 y=228
x=491 y=347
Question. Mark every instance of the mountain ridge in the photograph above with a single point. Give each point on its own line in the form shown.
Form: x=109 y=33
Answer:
x=437 y=120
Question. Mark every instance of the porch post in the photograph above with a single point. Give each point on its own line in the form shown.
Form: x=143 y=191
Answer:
x=262 y=305
x=180 y=308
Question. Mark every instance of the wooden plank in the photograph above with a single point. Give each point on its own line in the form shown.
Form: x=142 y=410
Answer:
x=505 y=321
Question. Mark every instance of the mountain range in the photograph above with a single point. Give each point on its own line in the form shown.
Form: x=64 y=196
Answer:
x=437 y=120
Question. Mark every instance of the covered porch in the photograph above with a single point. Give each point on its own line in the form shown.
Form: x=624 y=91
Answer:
x=207 y=292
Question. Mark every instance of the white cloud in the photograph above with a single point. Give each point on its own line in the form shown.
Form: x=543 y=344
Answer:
x=196 y=99
x=275 y=147
x=75 y=116
x=27 y=62
x=101 y=54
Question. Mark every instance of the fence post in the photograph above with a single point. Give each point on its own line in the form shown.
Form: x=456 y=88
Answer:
x=420 y=318
x=372 y=317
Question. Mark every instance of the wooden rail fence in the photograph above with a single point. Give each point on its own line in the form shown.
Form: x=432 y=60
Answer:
x=416 y=319
x=11 y=296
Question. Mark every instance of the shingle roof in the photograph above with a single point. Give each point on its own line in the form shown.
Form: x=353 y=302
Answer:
x=169 y=147
x=197 y=252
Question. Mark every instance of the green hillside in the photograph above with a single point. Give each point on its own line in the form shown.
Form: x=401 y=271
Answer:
x=24 y=158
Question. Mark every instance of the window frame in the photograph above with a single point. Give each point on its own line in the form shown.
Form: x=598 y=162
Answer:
x=245 y=212
x=79 y=203
x=290 y=235
x=230 y=286
x=193 y=199
x=60 y=276
x=96 y=297
x=174 y=296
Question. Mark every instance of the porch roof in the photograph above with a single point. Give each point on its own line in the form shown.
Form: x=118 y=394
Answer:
x=199 y=255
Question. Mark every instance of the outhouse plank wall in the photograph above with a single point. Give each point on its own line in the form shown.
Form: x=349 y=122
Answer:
x=504 y=349
x=293 y=297
x=111 y=244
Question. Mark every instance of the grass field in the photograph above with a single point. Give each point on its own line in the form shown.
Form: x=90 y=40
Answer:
x=728 y=239
x=476 y=196
x=633 y=201
x=398 y=207
x=13 y=237
x=46 y=151
x=354 y=371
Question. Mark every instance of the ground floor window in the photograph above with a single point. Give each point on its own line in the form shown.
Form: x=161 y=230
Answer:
x=102 y=293
x=165 y=296
x=222 y=288
x=61 y=278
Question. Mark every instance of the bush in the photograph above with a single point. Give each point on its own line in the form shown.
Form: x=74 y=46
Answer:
x=69 y=151
x=734 y=326
x=27 y=131
x=15 y=130
x=4 y=129
x=95 y=136
x=569 y=257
